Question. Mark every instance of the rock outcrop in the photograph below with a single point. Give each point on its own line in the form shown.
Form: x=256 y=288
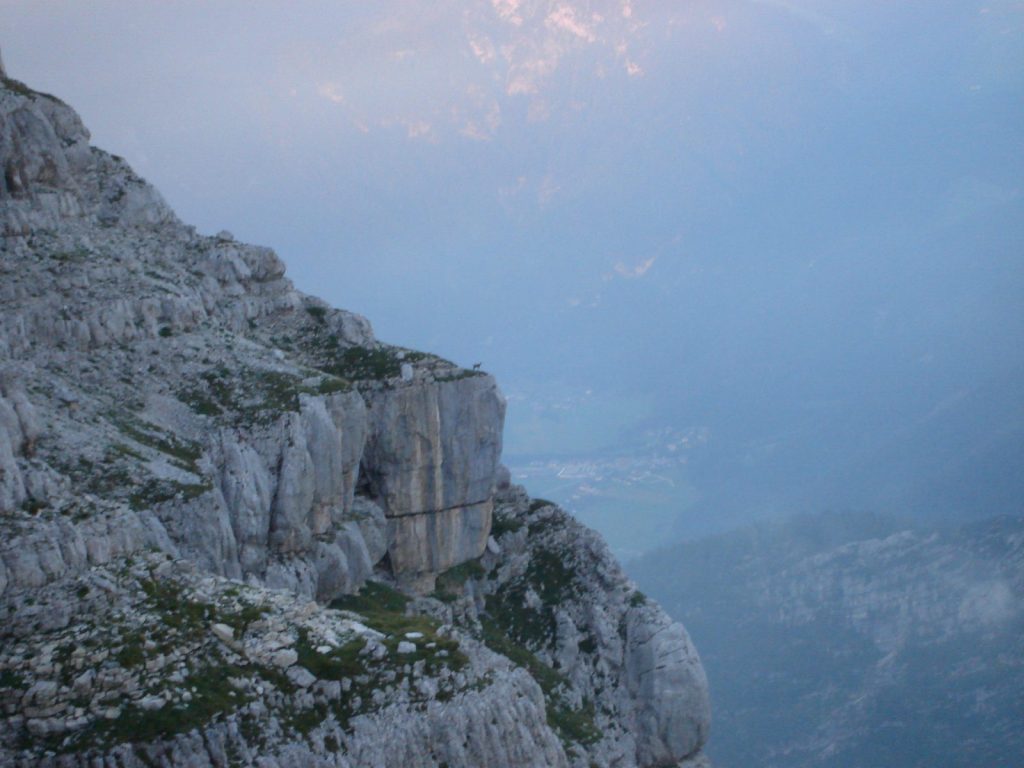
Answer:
x=196 y=460
x=556 y=591
x=430 y=459
x=248 y=410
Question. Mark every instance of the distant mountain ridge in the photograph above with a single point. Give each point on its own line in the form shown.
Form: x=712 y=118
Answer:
x=854 y=640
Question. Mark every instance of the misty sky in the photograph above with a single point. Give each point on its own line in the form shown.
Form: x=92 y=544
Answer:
x=796 y=224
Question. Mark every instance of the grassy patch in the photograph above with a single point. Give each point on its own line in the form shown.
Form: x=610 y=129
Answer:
x=122 y=450
x=334 y=665
x=450 y=584
x=254 y=395
x=131 y=653
x=545 y=523
x=77 y=255
x=305 y=720
x=571 y=725
x=505 y=524
x=374 y=596
x=11 y=679
x=184 y=453
x=371 y=363
x=461 y=373
x=176 y=611
x=495 y=638
x=319 y=314
x=120 y=473
x=380 y=362
x=212 y=694
x=383 y=609
x=329 y=385
x=241 y=618
x=550 y=576
x=527 y=626
x=553 y=580
x=159 y=491
x=23 y=90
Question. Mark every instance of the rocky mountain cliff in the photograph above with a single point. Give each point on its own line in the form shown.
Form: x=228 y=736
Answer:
x=236 y=529
x=848 y=640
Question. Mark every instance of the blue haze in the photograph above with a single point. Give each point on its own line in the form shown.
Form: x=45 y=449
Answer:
x=791 y=232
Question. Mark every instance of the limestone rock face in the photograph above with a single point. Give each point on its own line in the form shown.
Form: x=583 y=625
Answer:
x=253 y=674
x=665 y=676
x=557 y=591
x=249 y=454
x=52 y=174
x=424 y=545
x=195 y=458
x=431 y=459
x=32 y=556
x=542 y=654
x=434 y=446
x=18 y=434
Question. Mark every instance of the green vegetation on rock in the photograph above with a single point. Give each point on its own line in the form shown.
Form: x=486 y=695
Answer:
x=572 y=725
x=21 y=89
x=255 y=395
x=451 y=583
x=502 y=524
x=384 y=610
x=212 y=694
x=372 y=363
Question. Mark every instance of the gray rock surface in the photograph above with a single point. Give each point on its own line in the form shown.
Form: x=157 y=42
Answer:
x=557 y=591
x=424 y=545
x=434 y=446
x=431 y=458
x=196 y=460
x=665 y=676
x=274 y=682
x=251 y=452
